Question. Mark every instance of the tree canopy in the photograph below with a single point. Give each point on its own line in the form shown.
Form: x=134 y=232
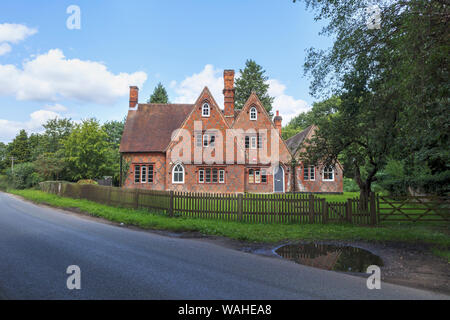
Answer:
x=392 y=81
x=253 y=78
x=159 y=95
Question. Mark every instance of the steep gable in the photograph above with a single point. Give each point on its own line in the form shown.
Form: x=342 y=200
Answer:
x=263 y=121
x=214 y=122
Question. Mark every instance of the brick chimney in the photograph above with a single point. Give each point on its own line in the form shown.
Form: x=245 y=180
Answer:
x=134 y=96
x=228 y=92
x=277 y=121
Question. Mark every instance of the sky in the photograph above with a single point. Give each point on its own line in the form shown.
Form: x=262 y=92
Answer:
x=51 y=68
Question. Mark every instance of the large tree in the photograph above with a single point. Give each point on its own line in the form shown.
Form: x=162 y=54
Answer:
x=393 y=83
x=114 y=131
x=253 y=78
x=159 y=95
x=87 y=151
x=19 y=148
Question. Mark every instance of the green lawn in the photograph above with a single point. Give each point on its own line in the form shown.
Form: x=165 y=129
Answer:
x=269 y=233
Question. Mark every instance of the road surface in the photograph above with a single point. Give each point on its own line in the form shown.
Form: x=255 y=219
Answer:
x=38 y=243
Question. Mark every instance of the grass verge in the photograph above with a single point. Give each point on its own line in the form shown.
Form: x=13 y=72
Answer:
x=250 y=232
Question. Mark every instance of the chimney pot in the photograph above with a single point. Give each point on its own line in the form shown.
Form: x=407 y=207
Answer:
x=277 y=121
x=134 y=96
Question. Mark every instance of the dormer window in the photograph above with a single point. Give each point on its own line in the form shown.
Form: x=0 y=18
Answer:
x=253 y=113
x=206 y=110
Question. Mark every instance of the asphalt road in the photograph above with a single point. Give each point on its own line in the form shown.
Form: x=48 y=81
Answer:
x=38 y=243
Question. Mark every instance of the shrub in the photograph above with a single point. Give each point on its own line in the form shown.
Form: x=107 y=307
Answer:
x=23 y=176
x=350 y=185
x=3 y=182
x=87 y=181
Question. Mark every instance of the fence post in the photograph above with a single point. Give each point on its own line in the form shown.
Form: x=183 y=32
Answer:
x=171 y=203
x=348 y=210
x=311 y=208
x=325 y=211
x=373 y=211
x=240 y=207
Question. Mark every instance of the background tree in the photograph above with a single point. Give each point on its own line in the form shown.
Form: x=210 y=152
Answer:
x=393 y=82
x=253 y=78
x=87 y=151
x=56 y=130
x=305 y=119
x=50 y=166
x=19 y=148
x=159 y=95
x=114 y=131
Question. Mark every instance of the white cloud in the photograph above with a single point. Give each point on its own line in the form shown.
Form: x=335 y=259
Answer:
x=13 y=33
x=190 y=88
x=288 y=106
x=4 y=48
x=52 y=77
x=9 y=129
x=57 y=108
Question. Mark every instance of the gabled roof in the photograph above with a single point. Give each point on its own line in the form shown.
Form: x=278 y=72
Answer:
x=150 y=127
x=294 y=142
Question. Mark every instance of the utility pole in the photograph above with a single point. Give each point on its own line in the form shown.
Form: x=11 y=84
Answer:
x=12 y=164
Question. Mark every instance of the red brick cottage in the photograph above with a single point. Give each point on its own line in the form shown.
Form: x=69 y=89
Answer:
x=201 y=148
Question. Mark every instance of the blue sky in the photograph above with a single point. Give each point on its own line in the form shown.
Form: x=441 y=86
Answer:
x=48 y=70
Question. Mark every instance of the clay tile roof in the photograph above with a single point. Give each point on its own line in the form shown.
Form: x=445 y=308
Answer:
x=295 y=141
x=150 y=127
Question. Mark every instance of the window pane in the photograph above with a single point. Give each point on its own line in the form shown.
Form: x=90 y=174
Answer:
x=205 y=140
x=263 y=176
x=311 y=172
x=144 y=174
x=137 y=174
x=208 y=175
x=251 y=177
x=247 y=142
x=201 y=176
x=253 y=142
x=257 y=176
x=150 y=173
x=199 y=139
x=213 y=139
x=214 y=175
x=221 y=176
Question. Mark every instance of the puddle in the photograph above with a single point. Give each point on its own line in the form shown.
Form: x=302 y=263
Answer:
x=330 y=257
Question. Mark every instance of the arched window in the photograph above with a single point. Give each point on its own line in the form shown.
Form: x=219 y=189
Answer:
x=328 y=173
x=206 y=110
x=178 y=174
x=253 y=113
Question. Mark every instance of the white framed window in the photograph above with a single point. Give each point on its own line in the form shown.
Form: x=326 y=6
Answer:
x=221 y=176
x=206 y=110
x=309 y=173
x=328 y=173
x=253 y=113
x=253 y=142
x=178 y=174
x=205 y=140
x=201 y=176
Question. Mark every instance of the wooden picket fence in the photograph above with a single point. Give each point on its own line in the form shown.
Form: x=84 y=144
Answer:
x=260 y=208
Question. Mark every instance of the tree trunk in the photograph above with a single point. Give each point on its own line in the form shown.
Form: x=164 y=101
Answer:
x=364 y=195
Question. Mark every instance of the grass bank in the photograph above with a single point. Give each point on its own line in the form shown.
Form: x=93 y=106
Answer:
x=250 y=232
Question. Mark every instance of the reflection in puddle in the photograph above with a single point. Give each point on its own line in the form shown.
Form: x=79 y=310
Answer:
x=329 y=257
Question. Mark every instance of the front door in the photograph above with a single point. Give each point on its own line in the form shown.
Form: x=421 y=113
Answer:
x=278 y=180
